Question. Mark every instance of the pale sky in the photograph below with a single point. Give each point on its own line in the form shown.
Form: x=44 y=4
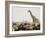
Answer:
x=20 y=14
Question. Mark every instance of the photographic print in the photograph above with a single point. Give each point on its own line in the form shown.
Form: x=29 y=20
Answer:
x=25 y=18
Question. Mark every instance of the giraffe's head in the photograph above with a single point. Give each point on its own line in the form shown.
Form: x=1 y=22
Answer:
x=30 y=12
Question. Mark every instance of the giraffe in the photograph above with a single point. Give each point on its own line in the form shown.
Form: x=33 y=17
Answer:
x=35 y=20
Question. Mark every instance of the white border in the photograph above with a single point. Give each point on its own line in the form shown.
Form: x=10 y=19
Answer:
x=24 y=32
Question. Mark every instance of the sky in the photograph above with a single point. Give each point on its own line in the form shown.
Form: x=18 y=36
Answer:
x=20 y=14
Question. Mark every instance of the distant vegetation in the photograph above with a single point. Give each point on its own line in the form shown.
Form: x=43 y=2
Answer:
x=25 y=26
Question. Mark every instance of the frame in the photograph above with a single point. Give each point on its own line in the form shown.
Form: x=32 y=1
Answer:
x=7 y=19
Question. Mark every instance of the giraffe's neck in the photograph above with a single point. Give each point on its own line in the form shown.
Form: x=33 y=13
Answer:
x=31 y=14
x=34 y=18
